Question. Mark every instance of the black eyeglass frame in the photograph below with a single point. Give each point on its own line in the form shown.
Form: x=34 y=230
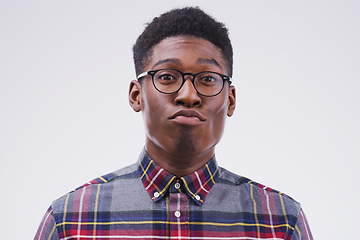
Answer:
x=153 y=72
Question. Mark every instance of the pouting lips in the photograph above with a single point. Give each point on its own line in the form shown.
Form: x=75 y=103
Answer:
x=188 y=113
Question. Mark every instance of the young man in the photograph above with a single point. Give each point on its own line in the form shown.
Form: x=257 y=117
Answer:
x=176 y=190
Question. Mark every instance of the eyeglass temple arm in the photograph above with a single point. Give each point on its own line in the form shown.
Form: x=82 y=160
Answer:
x=142 y=75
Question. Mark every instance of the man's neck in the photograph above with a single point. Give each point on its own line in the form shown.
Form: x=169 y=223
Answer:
x=178 y=163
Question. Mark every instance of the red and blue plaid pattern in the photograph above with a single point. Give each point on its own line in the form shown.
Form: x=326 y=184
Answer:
x=211 y=203
x=197 y=185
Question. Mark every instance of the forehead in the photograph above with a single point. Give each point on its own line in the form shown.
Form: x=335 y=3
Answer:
x=187 y=53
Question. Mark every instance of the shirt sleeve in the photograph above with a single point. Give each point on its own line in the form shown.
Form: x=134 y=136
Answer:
x=47 y=229
x=302 y=229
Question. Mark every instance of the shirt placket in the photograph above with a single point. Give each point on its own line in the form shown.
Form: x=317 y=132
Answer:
x=178 y=216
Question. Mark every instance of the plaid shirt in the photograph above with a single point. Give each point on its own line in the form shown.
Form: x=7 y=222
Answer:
x=144 y=201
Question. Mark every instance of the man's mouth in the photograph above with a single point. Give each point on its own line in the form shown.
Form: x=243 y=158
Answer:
x=187 y=117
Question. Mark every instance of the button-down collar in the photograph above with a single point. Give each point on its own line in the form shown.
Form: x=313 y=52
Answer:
x=157 y=180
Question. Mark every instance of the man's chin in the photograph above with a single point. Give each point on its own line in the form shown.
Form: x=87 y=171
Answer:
x=185 y=143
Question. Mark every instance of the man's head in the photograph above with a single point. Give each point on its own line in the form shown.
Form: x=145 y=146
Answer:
x=181 y=22
x=183 y=122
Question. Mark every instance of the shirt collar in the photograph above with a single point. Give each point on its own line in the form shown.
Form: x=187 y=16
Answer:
x=157 y=180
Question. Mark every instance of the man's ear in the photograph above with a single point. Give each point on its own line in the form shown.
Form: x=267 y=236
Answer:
x=135 y=95
x=232 y=101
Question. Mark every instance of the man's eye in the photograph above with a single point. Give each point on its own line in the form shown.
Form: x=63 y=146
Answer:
x=208 y=80
x=166 y=77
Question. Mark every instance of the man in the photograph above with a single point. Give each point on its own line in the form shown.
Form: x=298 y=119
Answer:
x=176 y=190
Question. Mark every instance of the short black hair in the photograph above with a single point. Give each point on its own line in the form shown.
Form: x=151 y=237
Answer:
x=191 y=21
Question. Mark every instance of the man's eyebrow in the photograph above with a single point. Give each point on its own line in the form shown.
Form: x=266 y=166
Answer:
x=209 y=61
x=178 y=62
x=168 y=60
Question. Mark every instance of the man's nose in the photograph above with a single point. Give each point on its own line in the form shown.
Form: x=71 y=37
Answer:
x=187 y=95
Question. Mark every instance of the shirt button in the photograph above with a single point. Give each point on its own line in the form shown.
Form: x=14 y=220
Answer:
x=197 y=197
x=156 y=194
x=177 y=214
x=177 y=185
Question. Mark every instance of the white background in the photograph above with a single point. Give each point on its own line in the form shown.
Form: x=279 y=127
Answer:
x=65 y=68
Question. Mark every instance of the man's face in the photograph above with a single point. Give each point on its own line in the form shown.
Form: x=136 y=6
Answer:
x=185 y=122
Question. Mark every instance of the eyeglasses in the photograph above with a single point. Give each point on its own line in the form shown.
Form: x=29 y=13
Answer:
x=169 y=81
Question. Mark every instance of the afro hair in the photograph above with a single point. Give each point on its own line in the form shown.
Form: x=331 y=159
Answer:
x=191 y=21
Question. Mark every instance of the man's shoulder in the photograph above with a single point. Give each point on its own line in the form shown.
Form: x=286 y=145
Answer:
x=257 y=192
x=106 y=181
x=128 y=172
